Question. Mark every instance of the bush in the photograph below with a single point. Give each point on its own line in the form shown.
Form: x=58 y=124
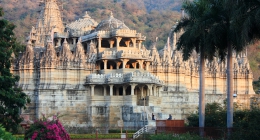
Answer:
x=47 y=130
x=5 y=135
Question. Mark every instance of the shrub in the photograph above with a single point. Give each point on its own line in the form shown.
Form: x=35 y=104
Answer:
x=5 y=135
x=47 y=130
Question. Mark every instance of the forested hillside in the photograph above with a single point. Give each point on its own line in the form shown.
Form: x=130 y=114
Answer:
x=153 y=18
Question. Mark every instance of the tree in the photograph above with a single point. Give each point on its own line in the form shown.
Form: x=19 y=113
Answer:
x=195 y=30
x=225 y=37
x=12 y=99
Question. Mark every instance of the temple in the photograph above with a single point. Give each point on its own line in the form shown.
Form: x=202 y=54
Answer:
x=99 y=73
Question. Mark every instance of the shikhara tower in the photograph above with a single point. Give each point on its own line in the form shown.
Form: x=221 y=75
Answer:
x=99 y=73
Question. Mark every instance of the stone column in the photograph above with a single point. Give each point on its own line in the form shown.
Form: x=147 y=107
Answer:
x=154 y=90
x=139 y=44
x=105 y=90
x=117 y=91
x=92 y=89
x=99 y=42
x=74 y=41
x=111 y=42
x=133 y=89
x=127 y=43
x=147 y=65
x=111 y=90
x=142 y=91
x=118 y=64
x=150 y=90
x=105 y=64
x=118 y=39
x=124 y=88
x=134 y=42
x=140 y=62
x=124 y=61
x=59 y=41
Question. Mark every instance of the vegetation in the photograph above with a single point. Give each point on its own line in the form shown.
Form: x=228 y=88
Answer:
x=246 y=122
x=6 y=135
x=12 y=99
x=47 y=129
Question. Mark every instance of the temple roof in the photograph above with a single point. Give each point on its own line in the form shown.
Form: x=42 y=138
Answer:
x=82 y=23
x=110 y=24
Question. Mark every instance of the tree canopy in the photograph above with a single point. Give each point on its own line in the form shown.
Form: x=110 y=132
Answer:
x=12 y=99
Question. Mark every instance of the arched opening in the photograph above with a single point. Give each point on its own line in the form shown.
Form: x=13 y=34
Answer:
x=130 y=64
x=114 y=91
x=105 y=44
x=111 y=65
x=98 y=90
x=122 y=43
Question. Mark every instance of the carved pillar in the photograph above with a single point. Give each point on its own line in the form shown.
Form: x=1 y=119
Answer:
x=99 y=42
x=134 y=65
x=149 y=90
x=111 y=90
x=134 y=42
x=105 y=90
x=139 y=44
x=111 y=42
x=59 y=41
x=74 y=41
x=118 y=39
x=142 y=90
x=140 y=62
x=92 y=89
x=124 y=62
x=105 y=64
x=124 y=88
x=127 y=43
x=133 y=89
x=147 y=65
x=118 y=64
x=154 y=90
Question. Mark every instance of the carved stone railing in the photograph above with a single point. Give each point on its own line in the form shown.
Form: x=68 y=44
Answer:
x=133 y=77
x=137 y=54
x=114 y=78
x=138 y=77
x=107 y=55
x=96 y=78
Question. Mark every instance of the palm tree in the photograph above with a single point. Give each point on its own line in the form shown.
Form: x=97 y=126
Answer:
x=195 y=30
x=226 y=36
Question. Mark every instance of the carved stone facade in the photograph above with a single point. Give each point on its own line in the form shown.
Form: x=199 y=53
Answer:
x=98 y=74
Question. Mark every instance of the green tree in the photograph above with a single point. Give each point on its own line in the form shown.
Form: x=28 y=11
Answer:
x=195 y=29
x=12 y=99
x=226 y=36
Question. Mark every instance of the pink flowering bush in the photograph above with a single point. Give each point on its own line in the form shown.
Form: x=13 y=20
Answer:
x=47 y=129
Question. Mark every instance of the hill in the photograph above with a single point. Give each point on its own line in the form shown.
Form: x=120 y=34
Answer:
x=153 y=18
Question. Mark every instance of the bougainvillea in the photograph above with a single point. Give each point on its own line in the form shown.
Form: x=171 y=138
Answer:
x=47 y=129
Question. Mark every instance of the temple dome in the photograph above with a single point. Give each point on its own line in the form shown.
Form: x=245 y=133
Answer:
x=110 y=24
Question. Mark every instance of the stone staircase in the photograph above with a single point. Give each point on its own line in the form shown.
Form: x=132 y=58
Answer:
x=144 y=130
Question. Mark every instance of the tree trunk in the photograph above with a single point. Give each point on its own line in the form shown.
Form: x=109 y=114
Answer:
x=202 y=95
x=229 y=88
